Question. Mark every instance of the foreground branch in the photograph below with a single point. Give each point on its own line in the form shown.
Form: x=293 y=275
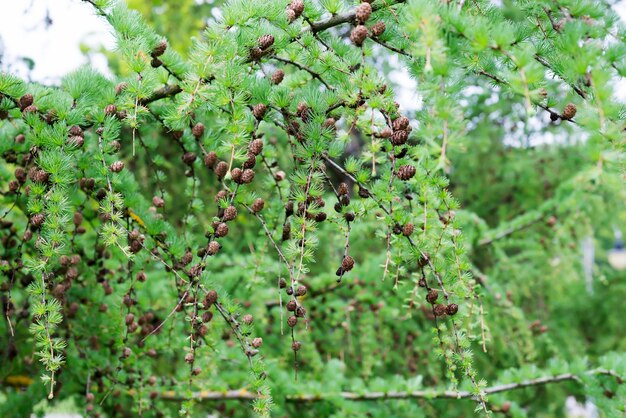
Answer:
x=244 y=394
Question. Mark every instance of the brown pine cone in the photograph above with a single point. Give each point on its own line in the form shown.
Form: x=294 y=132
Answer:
x=358 y=35
x=220 y=169
x=301 y=290
x=37 y=220
x=452 y=309
x=363 y=12
x=189 y=157
x=266 y=41
x=569 y=111
x=286 y=231
x=406 y=172
x=211 y=297
x=221 y=230
x=259 y=111
x=292 y=321
x=76 y=130
x=213 y=248
x=385 y=133
x=247 y=319
x=256 y=53
x=210 y=159
x=25 y=101
x=408 y=228
x=296 y=345
x=401 y=123
x=197 y=130
x=342 y=189
x=399 y=137
x=432 y=296
x=256 y=146
x=30 y=109
x=110 y=110
x=257 y=206
x=230 y=213
x=76 y=141
x=117 y=166
x=440 y=310
x=257 y=342
x=159 y=49
x=250 y=162
x=297 y=6
x=278 y=76
x=120 y=87
x=235 y=174
x=247 y=176
x=347 y=263
x=378 y=28
x=292 y=305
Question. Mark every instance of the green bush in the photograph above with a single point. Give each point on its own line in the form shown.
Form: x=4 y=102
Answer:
x=260 y=229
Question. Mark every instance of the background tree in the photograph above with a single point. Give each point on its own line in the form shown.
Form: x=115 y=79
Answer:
x=257 y=227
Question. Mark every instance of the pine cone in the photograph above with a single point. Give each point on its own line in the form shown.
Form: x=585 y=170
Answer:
x=569 y=111
x=291 y=15
x=25 y=101
x=401 y=123
x=378 y=28
x=407 y=230
x=301 y=290
x=76 y=141
x=278 y=76
x=363 y=12
x=256 y=53
x=347 y=263
x=30 y=109
x=117 y=166
x=292 y=321
x=211 y=298
x=158 y=201
x=440 y=310
x=256 y=146
x=257 y=342
x=452 y=309
x=76 y=130
x=110 y=110
x=286 y=231
x=300 y=312
x=159 y=49
x=247 y=319
x=266 y=41
x=230 y=213
x=20 y=139
x=221 y=230
x=385 y=133
x=235 y=174
x=210 y=159
x=342 y=189
x=250 y=162
x=213 y=248
x=292 y=305
x=329 y=123
x=155 y=62
x=259 y=111
x=297 y=6
x=189 y=157
x=406 y=172
x=220 y=169
x=257 y=206
x=432 y=296
x=399 y=137
x=197 y=130
x=358 y=35
x=247 y=176
x=120 y=88
x=37 y=220
x=303 y=111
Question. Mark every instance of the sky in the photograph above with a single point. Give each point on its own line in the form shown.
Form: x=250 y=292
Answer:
x=50 y=33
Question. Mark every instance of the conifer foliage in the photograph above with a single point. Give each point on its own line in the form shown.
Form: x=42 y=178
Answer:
x=260 y=229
